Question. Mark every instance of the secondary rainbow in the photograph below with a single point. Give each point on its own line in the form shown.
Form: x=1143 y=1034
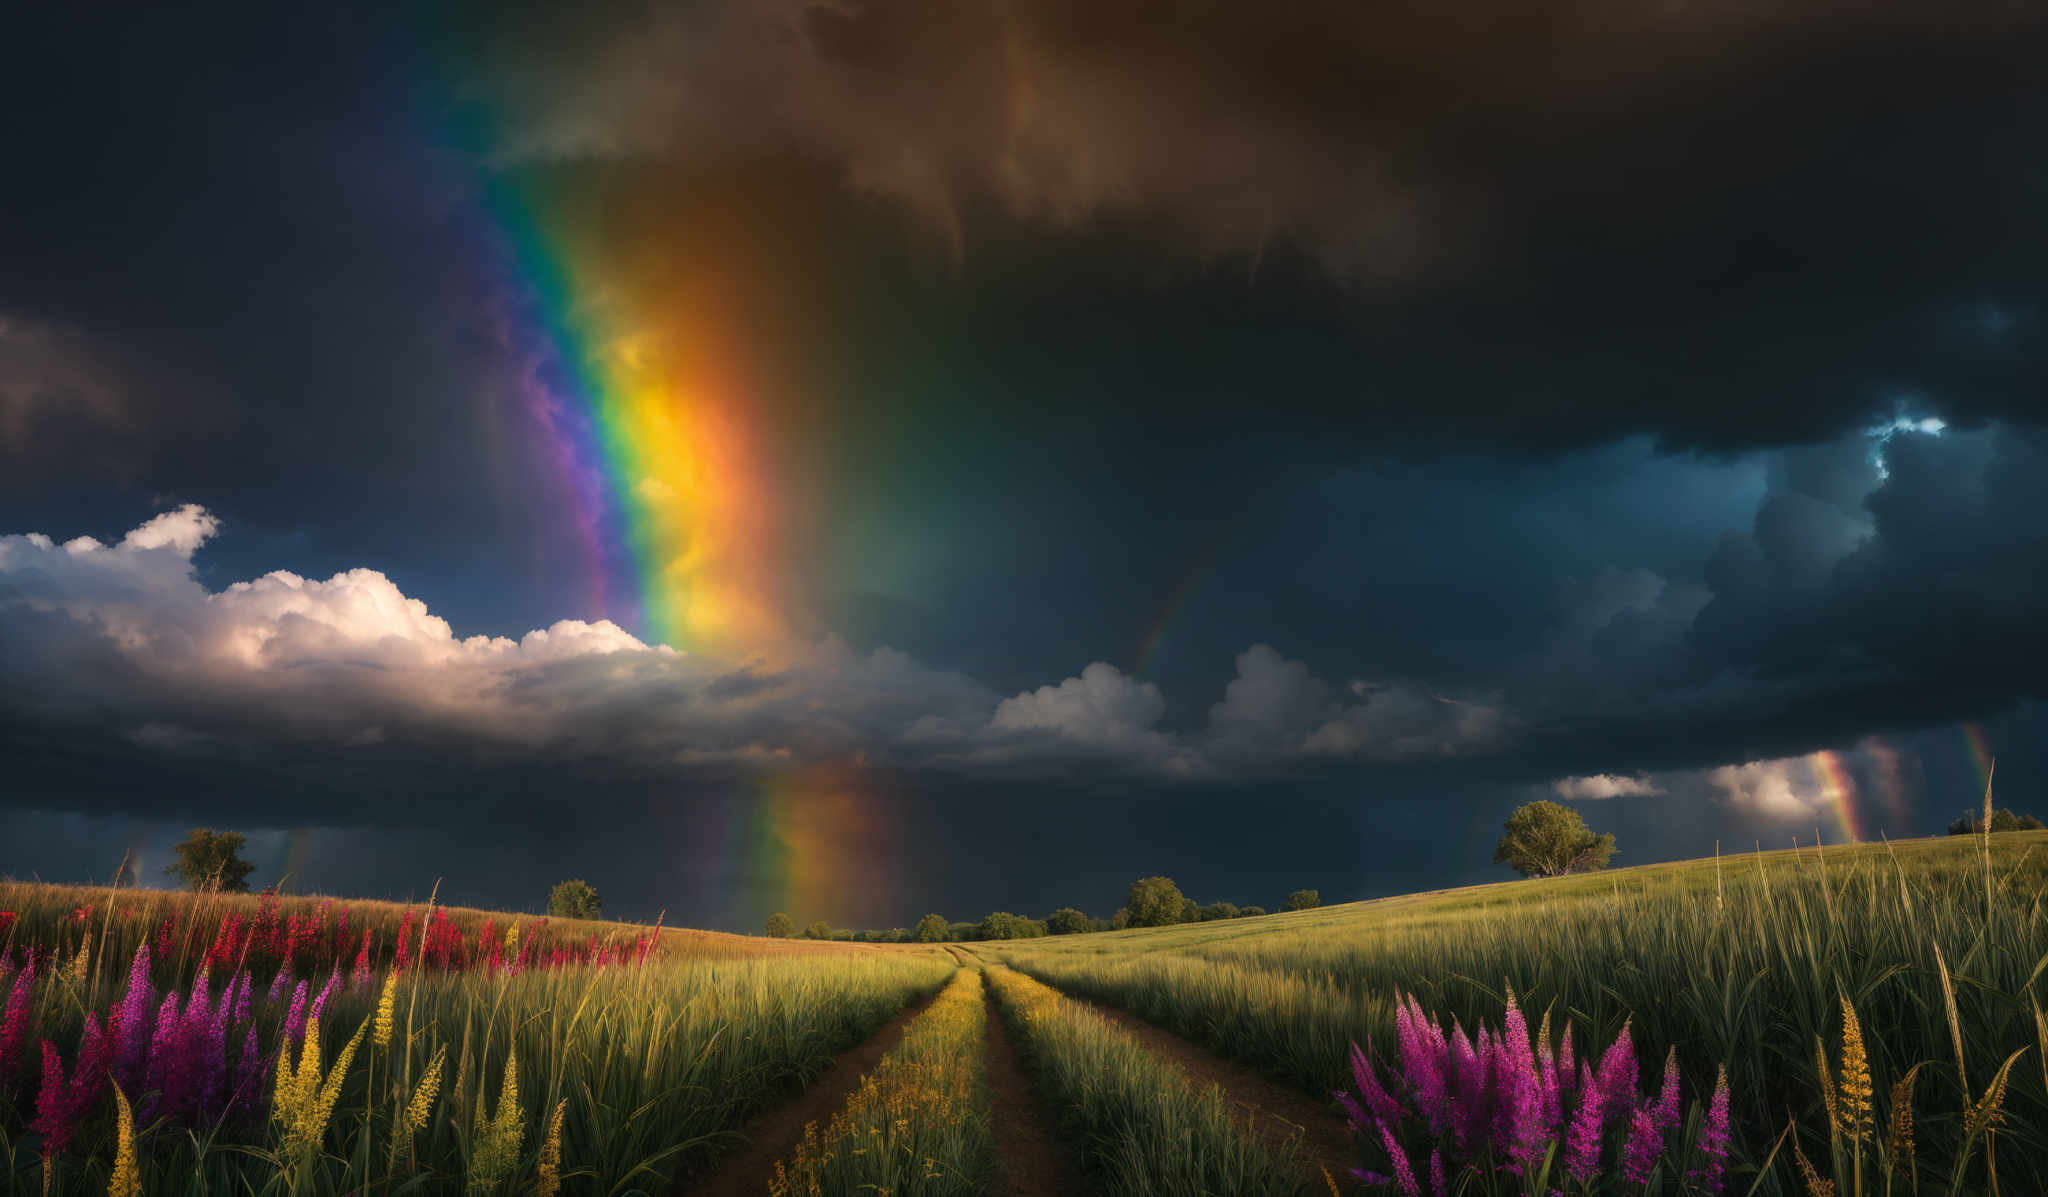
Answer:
x=1838 y=792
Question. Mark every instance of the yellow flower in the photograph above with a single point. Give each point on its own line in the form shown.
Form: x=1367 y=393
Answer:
x=1854 y=1099
x=125 y=1181
x=305 y=1099
x=497 y=1141
x=386 y=1005
x=550 y=1178
x=423 y=1094
x=1898 y=1139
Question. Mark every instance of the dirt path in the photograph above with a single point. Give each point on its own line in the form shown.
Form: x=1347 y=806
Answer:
x=1280 y=1111
x=1034 y=1163
x=774 y=1134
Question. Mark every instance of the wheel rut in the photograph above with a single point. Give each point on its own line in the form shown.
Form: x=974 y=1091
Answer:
x=1278 y=1112
x=774 y=1134
x=1034 y=1163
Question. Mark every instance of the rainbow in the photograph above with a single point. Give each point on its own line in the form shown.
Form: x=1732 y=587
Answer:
x=650 y=445
x=1979 y=748
x=1838 y=791
x=814 y=845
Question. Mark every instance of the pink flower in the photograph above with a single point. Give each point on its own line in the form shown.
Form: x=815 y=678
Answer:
x=1713 y=1140
x=14 y=1022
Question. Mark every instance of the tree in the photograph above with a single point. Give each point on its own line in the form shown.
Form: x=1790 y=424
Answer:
x=1246 y=912
x=931 y=929
x=2001 y=820
x=1120 y=920
x=1303 y=899
x=1154 y=902
x=209 y=860
x=1004 y=925
x=1545 y=839
x=574 y=899
x=1216 y=910
x=780 y=926
x=1066 y=921
x=818 y=930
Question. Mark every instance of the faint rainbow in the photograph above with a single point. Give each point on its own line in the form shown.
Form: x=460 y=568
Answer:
x=1176 y=600
x=1838 y=791
x=815 y=844
x=1889 y=767
x=1979 y=747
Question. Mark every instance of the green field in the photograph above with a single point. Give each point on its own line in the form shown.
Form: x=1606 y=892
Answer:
x=643 y=1064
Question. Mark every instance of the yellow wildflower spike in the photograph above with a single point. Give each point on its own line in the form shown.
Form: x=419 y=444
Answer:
x=126 y=1182
x=423 y=1094
x=1855 y=1088
x=1827 y=1084
x=549 y=1180
x=387 y=1010
x=1898 y=1138
x=1816 y=1185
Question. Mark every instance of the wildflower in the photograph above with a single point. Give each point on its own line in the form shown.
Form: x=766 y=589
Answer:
x=277 y=984
x=423 y=1094
x=497 y=1140
x=1617 y=1074
x=63 y=1102
x=549 y=1178
x=294 y=1020
x=1384 y=1108
x=1403 y=1174
x=386 y=1011
x=131 y=1019
x=1855 y=1087
x=360 y=976
x=1986 y=1114
x=1816 y=1186
x=1713 y=1140
x=1898 y=1138
x=1582 y=1143
x=304 y=1099
x=1644 y=1141
x=81 y=962
x=14 y=1021
x=248 y=1072
x=125 y=1182
x=326 y=992
x=242 y=1000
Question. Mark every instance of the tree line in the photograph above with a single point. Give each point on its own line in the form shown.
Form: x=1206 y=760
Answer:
x=1150 y=902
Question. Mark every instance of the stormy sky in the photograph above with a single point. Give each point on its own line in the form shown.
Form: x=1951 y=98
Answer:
x=1259 y=445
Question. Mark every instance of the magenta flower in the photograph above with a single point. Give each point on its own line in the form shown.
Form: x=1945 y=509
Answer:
x=63 y=1102
x=1438 y=1185
x=131 y=1022
x=326 y=992
x=1403 y=1174
x=295 y=1019
x=14 y=1022
x=242 y=999
x=1385 y=1110
x=1582 y=1142
x=277 y=984
x=1713 y=1140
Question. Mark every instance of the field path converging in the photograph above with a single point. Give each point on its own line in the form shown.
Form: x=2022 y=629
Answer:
x=1280 y=1111
x=1034 y=1162
x=775 y=1133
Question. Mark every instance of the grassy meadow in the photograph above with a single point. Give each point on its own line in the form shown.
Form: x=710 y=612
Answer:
x=1876 y=1012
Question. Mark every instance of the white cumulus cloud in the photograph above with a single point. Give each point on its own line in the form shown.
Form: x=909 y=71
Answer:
x=1604 y=785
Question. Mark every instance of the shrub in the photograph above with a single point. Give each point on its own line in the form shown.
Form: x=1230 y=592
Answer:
x=2001 y=820
x=1216 y=910
x=818 y=930
x=1545 y=839
x=1004 y=925
x=1302 y=899
x=574 y=899
x=1245 y=912
x=1067 y=921
x=210 y=859
x=931 y=929
x=1155 y=902
x=780 y=926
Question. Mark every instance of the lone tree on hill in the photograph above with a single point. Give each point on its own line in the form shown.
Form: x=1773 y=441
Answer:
x=780 y=927
x=209 y=859
x=1154 y=902
x=932 y=928
x=2001 y=820
x=574 y=899
x=1545 y=839
x=1303 y=899
x=818 y=930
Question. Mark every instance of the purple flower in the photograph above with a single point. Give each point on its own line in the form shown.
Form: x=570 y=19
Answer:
x=1403 y=1174
x=14 y=1021
x=1385 y=1110
x=1582 y=1142
x=1438 y=1186
x=162 y=1046
x=1667 y=1097
x=131 y=1022
x=295 y=1019
x=242 y=999
x=1354 y=1114
x=1425 y=1057
x=1713 y=1140
x=249 y=1072
x=277 y=984
x=1618 y=1074
x=1518 y=1111
x=63 y=1103
x=1644 y=1142
x=326 y=991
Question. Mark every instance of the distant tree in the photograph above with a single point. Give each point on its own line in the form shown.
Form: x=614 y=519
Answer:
x=1155 y=902
x=1189 y=912
x=818 y=930
x=2001 y=820
x=1303 y=899
x=931 y=929
x=1120 y=920
x=1004 y=925
x=1545 y=839
x=1215 y=911
x=963 y=932
x=209 y=859
x=780 y=926
x=574 y=899
x=1246 y=912
x=1066 y=921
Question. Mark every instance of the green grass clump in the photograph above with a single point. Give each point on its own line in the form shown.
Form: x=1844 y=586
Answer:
x=1149 y=1129
x=918 y=1126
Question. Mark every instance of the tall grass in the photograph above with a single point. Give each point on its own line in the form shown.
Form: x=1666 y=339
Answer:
x=648 y=1068
x=1755 y=979
x=1148 y=1127
x=918 y=1126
